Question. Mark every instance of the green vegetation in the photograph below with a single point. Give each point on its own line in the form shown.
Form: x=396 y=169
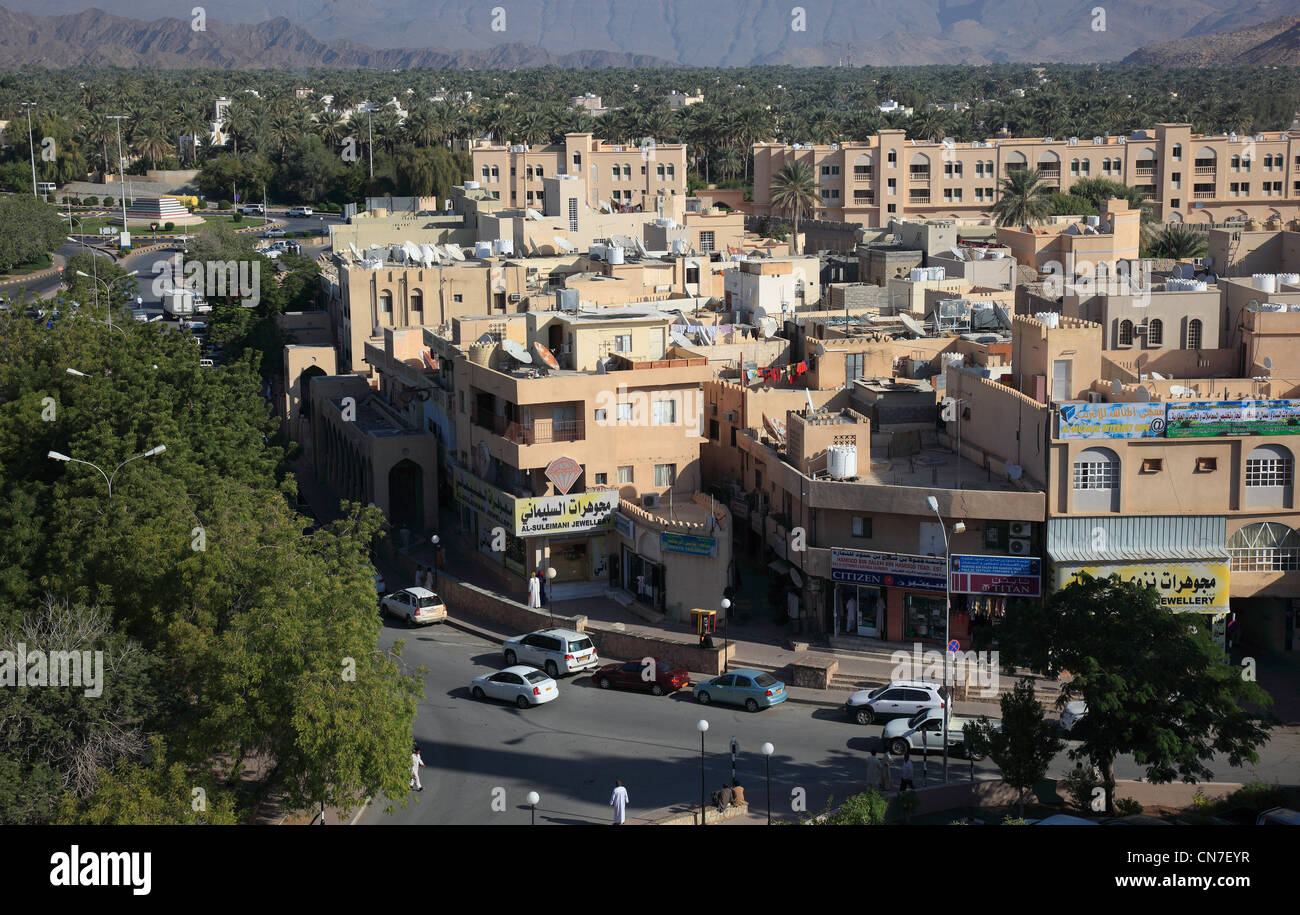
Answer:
x=1024 y=199
x=1162 y=692
x=1181 y=242
x=794 y=189
x=1025 y=744
x=29 y=231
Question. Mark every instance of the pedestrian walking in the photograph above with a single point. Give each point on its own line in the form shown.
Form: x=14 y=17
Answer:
x=877 y=772
x=535 y=592
x=618 y=800
x=417 y=763
x=905 y=779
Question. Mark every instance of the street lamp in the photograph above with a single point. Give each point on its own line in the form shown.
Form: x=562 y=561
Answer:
x=108 y=478
x=957 y=528
x=726 y=628
x=31 y=143
x=108 y=288
x=703 y=727
x=435 y=541
x=768 y=750
x=533 y=799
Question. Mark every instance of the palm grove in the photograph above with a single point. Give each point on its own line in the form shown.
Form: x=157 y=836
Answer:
x=240 y=657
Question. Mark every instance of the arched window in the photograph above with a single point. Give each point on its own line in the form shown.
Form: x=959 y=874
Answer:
x=1265 y=546
x=1270 y=472
x=1235 y=163
x=1074 y=166
x=1155 y=332
x=1193 y=334
x=1095 y=480
x=417 y=306
x=1087 y=166
x=385 y=302
x=1178 y=152
x=1126 y=332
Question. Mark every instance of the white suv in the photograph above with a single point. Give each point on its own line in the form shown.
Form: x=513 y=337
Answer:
x=899 y=699
x=299 y=211
x=556 y=651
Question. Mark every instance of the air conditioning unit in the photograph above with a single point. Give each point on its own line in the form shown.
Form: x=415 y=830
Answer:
x=1021 y=529
x=1018 y=547
x=650 y=500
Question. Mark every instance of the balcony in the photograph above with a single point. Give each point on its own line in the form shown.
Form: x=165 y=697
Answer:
x=541 y=432
x=1203 y=195
x=1144 y=170
x=914 y=199
x=1204 y=170
x=864 y=200
x=919 y=173
x=862 y=175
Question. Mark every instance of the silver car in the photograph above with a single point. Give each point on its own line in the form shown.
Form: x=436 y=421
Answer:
x=524 y=686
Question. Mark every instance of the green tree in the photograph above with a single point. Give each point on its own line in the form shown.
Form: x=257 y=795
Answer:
x=1175 y=240
x=794 y=189
x=1023 y=200
x=29 y=230
x=1023 y=746
x=1155 y=684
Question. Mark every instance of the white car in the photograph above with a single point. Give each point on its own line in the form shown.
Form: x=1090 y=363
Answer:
x=252 y=209
x=415 y=605
x=520 y=684
x=899 y=699
x=380 y=585
x=299 y=211
x=924 y=731
x=556 y=651
x=274 y=232
x=1073 y=712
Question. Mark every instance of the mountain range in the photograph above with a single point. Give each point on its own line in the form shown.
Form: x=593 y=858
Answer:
x=631 y=33
x=1275 y=43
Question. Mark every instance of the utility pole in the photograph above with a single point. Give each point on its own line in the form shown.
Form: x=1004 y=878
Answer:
x=121 y=171
x=370 y=145
x=31 y=144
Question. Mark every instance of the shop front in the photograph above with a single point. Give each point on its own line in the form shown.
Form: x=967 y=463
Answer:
x=893 y=596
x=569 y=533
x=981 y=585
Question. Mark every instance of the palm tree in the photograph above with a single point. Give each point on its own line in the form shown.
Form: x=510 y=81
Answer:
x=151 y=142
x=794 y=188
x=330 y=128
x=1024 y=199
x=1177 y=241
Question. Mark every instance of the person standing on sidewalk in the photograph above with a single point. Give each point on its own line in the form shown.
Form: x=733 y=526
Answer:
x=618 y=800
x=535 y=591
x=905 y=778
x=417 y=763
x=877 y=772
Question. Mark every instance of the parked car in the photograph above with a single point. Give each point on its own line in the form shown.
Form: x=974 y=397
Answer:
x=252 y=209
x=924 y=731
x=899 y=699
x=754 y=689
x=415 y=605
x=658 y=679
x=380 y=586
x=1279 y=816
x=556 y=651
x=1072 y=713
x=139 y=314
x=273 y=232
x=206 y=363
x=299 y=211
x=519 y=683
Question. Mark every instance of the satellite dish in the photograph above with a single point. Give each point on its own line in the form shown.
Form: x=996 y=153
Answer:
x=1179 y=391
x=957 y=253
x=1116 y=386
x=1143 y=393
x=355 y=252
x=770 y=327
x=1268 y=364
x=485 y=338
x=533 y=214
x=517 y=351
x=564 y=245
x=1015 y=471
x=910 y=323
x=545 y=355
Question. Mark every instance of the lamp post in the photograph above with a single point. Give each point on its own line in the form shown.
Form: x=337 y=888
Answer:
x=703 y=727
x=435 y=541
x=121 y=170
x=958 y=528
x=108 y=478
x=533 y=799
x=31 y=143
x=726 y=628
x=768 y=750
x=108 y=288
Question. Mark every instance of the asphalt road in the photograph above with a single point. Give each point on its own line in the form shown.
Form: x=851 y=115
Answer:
x=572 y=750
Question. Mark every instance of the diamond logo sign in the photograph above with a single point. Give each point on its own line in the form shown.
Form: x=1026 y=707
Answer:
x=563 y=472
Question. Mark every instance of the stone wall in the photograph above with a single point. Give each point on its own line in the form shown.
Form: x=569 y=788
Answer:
x=614 y=644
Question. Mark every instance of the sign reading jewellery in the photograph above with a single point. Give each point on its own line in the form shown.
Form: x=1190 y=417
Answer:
x=590 y=511
x=1200 y=587
x=1233 y=417
x=1111 y=420
x=893 y=570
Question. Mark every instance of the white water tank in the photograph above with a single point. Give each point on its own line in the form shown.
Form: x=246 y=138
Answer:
x=503 y=246
x=616 y=254
x=679 y=246
x=1264 y=282
x=1049 y=318
x=482 y=249
x=842 y=461
x=1291 y=278
x=471 y=185
x=1093 y=221
x=917 y=274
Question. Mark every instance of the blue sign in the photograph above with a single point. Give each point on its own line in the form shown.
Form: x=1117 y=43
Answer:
x=954 y=646
x=688 y=543
x=891 y=570
x=623 y=525
x=1011 y=575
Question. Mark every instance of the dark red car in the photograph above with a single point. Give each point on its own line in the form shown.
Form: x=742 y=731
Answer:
x=637 y=675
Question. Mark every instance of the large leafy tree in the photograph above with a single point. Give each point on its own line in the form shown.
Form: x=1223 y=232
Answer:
x=1155 y=684
x=29 y=230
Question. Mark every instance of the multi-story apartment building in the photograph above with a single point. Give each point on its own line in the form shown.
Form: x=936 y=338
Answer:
x=1190 y=177
x=618 y=174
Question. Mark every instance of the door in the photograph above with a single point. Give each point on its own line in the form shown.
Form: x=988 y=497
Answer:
x=743 y=689
x=1061 y=380
x=721 y=689
x=871 y=612
x=931 y=538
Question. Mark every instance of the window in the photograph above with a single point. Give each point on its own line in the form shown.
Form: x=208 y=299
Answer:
x=457 y=297
x=713 y=430
x=1178 y=152
x=1207 y=464
x=462 y=401
x=861 y=526
x=573 y=214
x=854 y=365
x=891 y=186
x=1095 y=474
x=625 y=474
x=665 y=412
x=665 y=474
x=602 y=479
x=1270 y=471
x=601 y=415
x=1266 y=546
x=659 y=171
x=624 y=414
x=1126 y=333
x=1152 y=465
x=496 y=173
x=1155 y=332
x=577 y=159
x=1175 y=203
x=706 y=242
x=1193 y=334
x=386 y=302
x=892 y=158
x=615 y=170
x=670 y=170
x=623 y=343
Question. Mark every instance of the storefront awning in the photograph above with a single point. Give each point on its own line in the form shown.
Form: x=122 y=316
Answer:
x=780 y=566
x=1137 y=539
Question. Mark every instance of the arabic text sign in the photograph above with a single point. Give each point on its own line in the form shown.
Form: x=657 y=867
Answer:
x=497 y=506
x=1233 y=417
x=564 y=514
x=893 y=570
x=623 y=524
x=1111 y=420
x=688 y=543
x=1200 y=587
x=1018 y=575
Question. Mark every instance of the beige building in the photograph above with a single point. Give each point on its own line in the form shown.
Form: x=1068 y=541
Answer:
x=1071 y=246
x=1190 y=177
